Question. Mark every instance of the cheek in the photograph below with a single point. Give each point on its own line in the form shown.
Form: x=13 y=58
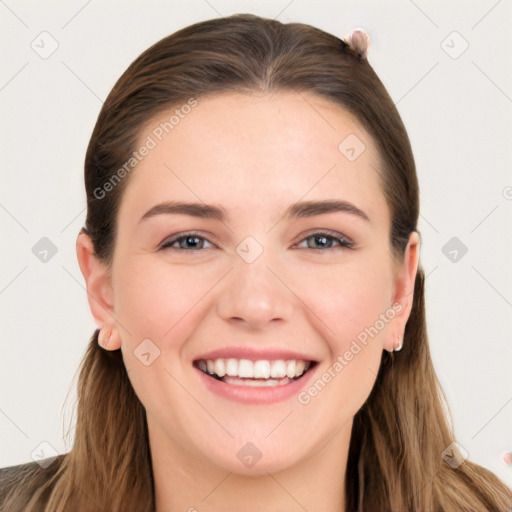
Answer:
x=153 y=299
x=350 y=302
x=354 y=315
x=161 y=303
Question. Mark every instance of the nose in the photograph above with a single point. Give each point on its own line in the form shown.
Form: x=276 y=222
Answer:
x=255 y=295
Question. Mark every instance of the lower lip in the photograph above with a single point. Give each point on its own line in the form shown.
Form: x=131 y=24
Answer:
x=255 y=394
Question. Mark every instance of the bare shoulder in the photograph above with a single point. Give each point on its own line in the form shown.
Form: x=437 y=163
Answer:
x=24 y=478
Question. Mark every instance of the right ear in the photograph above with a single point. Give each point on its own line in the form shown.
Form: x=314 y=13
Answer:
x=97 y=281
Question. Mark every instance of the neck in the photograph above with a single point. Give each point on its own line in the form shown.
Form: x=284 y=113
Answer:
x=186 y=483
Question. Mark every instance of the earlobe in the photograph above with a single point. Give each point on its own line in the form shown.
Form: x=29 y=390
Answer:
x=108 y=338
x=99 y=288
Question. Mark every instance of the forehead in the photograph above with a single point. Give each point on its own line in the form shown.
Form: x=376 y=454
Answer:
x=256 y=152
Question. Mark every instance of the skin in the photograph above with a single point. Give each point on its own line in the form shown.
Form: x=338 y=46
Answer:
x=255 y=155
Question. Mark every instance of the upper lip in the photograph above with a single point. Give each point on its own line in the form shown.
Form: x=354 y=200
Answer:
x=254 y=354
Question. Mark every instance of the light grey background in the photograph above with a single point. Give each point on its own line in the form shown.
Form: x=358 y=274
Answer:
x=455 y=104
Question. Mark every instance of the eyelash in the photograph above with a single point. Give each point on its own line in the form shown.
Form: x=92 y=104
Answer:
x=340 y=239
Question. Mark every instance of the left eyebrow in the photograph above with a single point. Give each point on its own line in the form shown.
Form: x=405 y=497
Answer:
x=294 y=211
x=312 y=208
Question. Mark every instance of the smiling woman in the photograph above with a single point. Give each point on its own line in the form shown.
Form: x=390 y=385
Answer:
x=255 y=278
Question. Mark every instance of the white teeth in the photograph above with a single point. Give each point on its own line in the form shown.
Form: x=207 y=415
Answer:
x=261 y=369
x=278 y=369
x=257 y=383
x=219 y=367
x=290 y=369
x=299 y=367
x=245 y=368
x=232 y=367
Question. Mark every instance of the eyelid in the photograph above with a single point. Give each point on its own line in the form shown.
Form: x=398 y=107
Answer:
x=167 y=242
x=343 y=240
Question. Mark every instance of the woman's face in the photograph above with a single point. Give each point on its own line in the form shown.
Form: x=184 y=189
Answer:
x=263 y=271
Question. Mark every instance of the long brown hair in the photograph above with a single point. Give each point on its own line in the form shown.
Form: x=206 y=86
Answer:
x=395 y=457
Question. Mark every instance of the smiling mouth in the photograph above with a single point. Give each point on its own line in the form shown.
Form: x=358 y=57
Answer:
x=244 y=372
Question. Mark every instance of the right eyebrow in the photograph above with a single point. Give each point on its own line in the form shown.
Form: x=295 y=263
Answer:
x=201 y=210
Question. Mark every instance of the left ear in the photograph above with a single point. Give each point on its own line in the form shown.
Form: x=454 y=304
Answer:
x=403 y=291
